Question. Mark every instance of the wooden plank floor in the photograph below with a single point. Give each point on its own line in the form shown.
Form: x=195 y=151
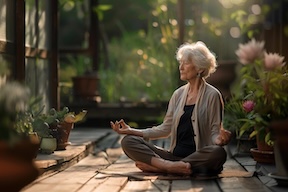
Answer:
x=105 y=167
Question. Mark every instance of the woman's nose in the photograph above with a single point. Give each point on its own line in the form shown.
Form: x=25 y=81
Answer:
x=180 y=66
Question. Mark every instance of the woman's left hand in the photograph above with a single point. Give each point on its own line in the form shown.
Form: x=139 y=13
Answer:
x=223 y=138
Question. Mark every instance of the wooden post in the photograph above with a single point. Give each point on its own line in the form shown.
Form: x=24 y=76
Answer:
x=181 y=21
x=54 y=73
x=94 y=36
x=19 y=71
x=181 y=24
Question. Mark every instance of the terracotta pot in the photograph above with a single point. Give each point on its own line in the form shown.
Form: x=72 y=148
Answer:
x=260 y=139
x=280 y=131
x=34 y=137
x=62 y=133
x=263 y=146
x=86 y=87
x=17 y=165
x=263 y=153
x=266 y=157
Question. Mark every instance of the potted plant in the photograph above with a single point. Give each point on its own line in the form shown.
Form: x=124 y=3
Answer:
x=48 y=143
x=264 y=88
x=24 y=124
x=61 y=123
x=17 y=149
x=32 y=119
x=233 y=112
x=86 y=87
x=86 y=81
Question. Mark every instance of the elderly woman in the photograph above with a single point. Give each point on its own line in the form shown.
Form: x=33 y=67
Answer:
x=193 y=121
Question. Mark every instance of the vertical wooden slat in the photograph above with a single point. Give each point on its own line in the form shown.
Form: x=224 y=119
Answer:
x=19 y=73
x=54 y=74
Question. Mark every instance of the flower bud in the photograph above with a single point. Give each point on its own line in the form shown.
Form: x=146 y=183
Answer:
x=248 y=106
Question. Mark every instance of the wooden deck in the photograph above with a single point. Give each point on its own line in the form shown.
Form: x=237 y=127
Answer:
x=101 y=166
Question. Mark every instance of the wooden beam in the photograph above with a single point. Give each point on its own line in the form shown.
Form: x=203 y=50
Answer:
x=75 y=51
x=39 y=53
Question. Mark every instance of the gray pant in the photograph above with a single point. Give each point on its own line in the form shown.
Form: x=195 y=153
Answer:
x=206 y=161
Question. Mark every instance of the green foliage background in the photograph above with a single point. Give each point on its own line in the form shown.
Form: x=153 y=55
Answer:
x=139 y=40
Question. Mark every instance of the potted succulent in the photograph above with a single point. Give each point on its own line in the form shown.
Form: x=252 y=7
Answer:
x=61 y=123
x=17 y=149
x=48 y=143
x=32 y=119
x=264 y=88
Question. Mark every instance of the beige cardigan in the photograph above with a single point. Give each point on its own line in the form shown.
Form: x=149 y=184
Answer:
x=206 y=117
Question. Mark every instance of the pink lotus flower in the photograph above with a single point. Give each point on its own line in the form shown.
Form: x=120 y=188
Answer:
x=248 y=106
x=273 y=60
x=249 y=52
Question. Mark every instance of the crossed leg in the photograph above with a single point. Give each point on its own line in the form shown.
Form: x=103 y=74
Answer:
x=149 y=158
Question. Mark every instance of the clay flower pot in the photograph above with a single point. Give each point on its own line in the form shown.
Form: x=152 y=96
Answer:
x=17 y=164
x=263 y=153
x=62 y=132
x=86 y=87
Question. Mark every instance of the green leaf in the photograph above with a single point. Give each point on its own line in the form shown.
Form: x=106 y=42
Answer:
x=241 y=132
x=268 y=139
x=104 y=7
x=250 y=34
x=253 y=134
x=100 y=9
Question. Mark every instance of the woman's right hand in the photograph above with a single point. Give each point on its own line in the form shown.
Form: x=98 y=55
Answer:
x=120 y=127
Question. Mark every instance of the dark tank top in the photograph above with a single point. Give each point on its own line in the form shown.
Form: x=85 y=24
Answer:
x=185 y=143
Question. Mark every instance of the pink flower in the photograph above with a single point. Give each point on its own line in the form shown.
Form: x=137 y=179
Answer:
x=248 y=106
x=273 y=60
x=249 y=52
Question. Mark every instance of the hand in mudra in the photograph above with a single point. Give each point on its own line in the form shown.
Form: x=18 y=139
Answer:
x=120 y=127
x=223 y=138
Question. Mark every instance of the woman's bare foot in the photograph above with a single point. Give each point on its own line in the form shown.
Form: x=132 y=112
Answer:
x=178 y=167
x=159 y=165
x=147 y=168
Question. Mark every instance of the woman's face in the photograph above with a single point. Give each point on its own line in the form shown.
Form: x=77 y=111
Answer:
x=187 y=70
